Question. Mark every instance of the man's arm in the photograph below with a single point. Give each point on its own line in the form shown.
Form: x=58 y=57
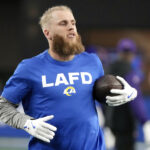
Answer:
x=9 y=115
x=36 y=127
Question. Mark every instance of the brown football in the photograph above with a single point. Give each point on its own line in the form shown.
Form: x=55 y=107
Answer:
x=103 y=85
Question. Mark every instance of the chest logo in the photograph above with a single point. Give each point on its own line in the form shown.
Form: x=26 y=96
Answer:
x=70 y=79
x=69 y=91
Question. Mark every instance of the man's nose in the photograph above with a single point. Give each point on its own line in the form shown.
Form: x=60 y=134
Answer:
x=70 y=27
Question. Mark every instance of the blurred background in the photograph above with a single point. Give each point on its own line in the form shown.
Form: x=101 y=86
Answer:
x=101 y=23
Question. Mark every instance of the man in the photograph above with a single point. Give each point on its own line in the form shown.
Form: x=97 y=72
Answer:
x=58 y=82
x=122 y=119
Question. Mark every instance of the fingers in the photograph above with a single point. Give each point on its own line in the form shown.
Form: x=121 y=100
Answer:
x=123 y=95
x=115 y=104
x=115 y=98
x=43 y=132
x=123 y=81
x=42 y=138
x=47 y=131
x=45 y=135
x=134 y=93
x=52 y=133
x=40 y=129
x=117 y=91
x=47 y=118
x=48 y=126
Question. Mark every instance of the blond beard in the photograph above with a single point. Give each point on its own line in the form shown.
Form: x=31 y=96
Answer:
x=65 y=49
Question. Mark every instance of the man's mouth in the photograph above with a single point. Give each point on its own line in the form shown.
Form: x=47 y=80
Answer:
x=71 y=35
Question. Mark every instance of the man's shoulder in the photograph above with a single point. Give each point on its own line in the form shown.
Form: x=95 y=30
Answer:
x=91 y=57
x=34 y=60
x=30 y=64
x=87 y=55
x=92 y=60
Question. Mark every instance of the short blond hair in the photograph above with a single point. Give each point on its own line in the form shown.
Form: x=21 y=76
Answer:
x=47 y=15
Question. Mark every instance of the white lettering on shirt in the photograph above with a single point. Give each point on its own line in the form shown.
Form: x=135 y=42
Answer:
x=44 y=82
x=61 y=79
x=86 y=78
x=73 y=76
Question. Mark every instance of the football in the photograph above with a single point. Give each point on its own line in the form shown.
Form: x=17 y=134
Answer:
x=103 y=85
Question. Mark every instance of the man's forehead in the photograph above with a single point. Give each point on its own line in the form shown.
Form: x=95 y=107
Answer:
x=59 y=15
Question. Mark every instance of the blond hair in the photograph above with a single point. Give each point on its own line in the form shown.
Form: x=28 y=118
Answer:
x=47 y=15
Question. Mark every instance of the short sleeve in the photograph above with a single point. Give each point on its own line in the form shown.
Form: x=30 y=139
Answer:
x=18 y=85
x=99 y=64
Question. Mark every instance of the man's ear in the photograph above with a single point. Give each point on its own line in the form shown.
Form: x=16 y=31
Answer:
x=47 y=34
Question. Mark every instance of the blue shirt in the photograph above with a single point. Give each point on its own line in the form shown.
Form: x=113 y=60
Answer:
x=63 y=89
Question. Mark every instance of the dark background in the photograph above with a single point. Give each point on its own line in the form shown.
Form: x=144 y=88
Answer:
x=100 y=22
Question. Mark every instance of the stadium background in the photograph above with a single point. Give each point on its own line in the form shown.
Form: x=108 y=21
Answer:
x=101 y=24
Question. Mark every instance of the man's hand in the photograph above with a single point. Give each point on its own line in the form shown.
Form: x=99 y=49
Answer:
x=123 y=95
x=40 y=129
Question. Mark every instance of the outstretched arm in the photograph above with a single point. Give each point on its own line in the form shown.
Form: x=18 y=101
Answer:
x=9 y=115
x=36 y=127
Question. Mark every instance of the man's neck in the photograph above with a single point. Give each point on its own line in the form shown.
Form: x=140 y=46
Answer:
x=58 y=57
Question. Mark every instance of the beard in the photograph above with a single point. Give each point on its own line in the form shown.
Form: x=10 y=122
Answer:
x=66 y=48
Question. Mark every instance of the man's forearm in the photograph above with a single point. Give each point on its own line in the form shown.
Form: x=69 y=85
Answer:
x=9 y=115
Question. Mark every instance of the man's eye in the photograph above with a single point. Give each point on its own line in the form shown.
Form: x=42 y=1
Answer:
x=63 y=23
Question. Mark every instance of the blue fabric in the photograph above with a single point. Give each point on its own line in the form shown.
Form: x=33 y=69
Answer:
x=63 y=89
